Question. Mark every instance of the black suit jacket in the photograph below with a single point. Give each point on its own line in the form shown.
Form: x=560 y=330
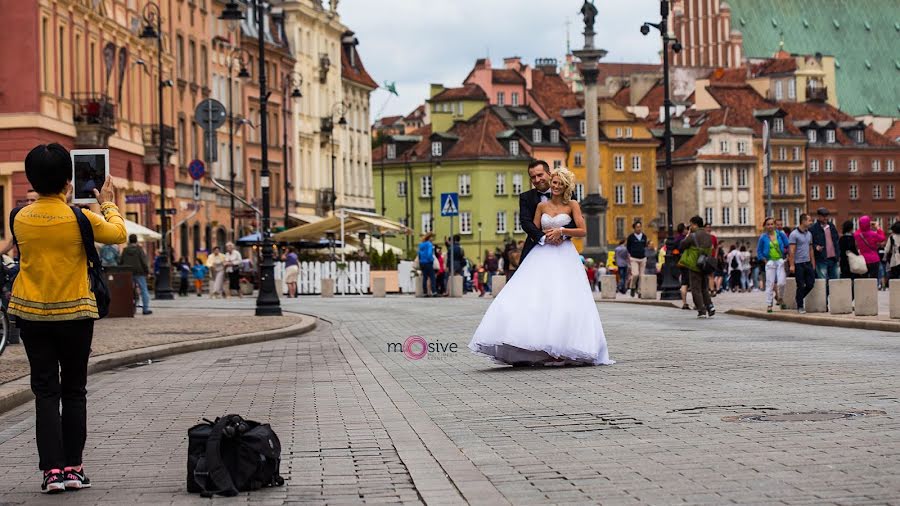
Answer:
x=528 y=202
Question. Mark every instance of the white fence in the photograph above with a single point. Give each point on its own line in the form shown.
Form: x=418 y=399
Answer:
x=353 y=280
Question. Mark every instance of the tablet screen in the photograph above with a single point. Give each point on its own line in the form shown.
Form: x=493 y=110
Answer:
x=90 y=174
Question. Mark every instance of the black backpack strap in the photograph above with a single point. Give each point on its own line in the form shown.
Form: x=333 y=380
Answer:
x=12 y=221
x=87 y=237
x=215 y=467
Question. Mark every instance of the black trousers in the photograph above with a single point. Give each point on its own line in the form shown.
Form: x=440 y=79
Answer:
x=58 y=355
x=700 y=291
x=183 y=287
x=806 y=279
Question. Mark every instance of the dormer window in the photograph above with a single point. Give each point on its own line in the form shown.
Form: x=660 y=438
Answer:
x=536 y=135
x=618 y=133
x=514 y=148
x=829 y=136
x=859 y=136
x=554 y=135
x=629 y=132
x=811 y=135
x=391 y=151
x=500 y=98
x=723 y=146
x=778 y=125
x=436 y=148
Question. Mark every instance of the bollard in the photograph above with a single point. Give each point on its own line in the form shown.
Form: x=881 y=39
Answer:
x=790 y=293
x=498 y=281
x=456 y=286
x=648 y=286
x=865 y=293
x=327 y=287
x=815 y=302
x=378 y=287
x=417 y=281
x=894 y=298
x=608 y=286
x=840 y=296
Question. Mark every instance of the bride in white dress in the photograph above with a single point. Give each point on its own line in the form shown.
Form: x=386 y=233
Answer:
x=546 y=314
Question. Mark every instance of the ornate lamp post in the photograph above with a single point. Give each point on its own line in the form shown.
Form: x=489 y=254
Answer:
x=337 y=111
x=237 y=56
x=267 y=303
x=153 y=30
x=670 y=288
x=292 y=83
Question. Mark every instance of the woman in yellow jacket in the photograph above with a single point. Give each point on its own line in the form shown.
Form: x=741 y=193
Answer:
x=56 y=309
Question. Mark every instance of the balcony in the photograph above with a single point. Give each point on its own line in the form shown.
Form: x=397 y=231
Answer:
x=151 y=143
x=816 y=93
x=95 y=119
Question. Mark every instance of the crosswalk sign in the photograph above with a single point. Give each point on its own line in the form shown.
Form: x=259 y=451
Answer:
x=450 y=204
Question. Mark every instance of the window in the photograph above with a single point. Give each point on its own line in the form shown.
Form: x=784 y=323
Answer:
x=465 y=222
x=557 y=164
x=500 y=97
x=797 y=212
x=620 y=227
x=814 y=192
x=742 y=147
x=629 y=132
x=618 y=132
x=743 y=177
x=708 y=178
x=536 y=135
x=426 y=223
x=425 y=186
x=829 y=165
x=726 y=216
x=554 y=135
x=578 y=194
x=660 y=182
x=782 y=184
x=179 y=54
x=854 y=191
x=708 y=216
x=829 y=136
x=723 y=146
x=578 y=159
x=782 y=153
x=501 y=222
x=501 y=184
x=890 y=166
x=783 y=214
x=637 y=194
x=798 y=185
x=517 y=184
x=778 y=125
x=876 y=165
x=619 y=162
x=743 y=214
x=391 y=151
x=829 y=192
x=514 y=148
x=401 y=188
x=436 y=148
x=465 y=184
x=779 y=90
x=792 y=89
x=517 y=223
x=795 y=153
x=890 y=191
x=515 y=98
x=853 y=166
x=811 y=135
x=814 y=165
x=620 y=194
x=582 y=128
x=636 y=163
x=876 y=191
x=859 y=136
x=726 y=177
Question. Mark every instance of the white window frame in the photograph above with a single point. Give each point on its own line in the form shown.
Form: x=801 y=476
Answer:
x=637 y=194
x=830 y=136
x=427 y=223
x=709 y=177
x=536 y=135
x=889 y=191
x=425 y=186
x=554 y=135
x=797 y=212
x=853 y=165
x=437 y=149
x=829 y=165
x=517 y=223
x=829 y=192
x=620 y=194
x=501 y=98
x=795 y=153
x=742 y=147
x=876 y=192
x=779 y=90
x=578 y=194
x=743 y=216
x=464 y=183
x=391 y=151
x=792 y=88
x=557 y=164
x=465 y=223
x=814 y=192
x=782 y=153
x=500 y=184
x=726 y=215
x=619 y=163
x=853 y=191
x=618 y=132
x=726 y=177
x=782 y=184
x=724 y=146
x=514 y=148
x=401 y=188
x=514 y=98
x=798 y=184
x=876 y=165
x=660 y=182
x=620 y=227
x=778 y=125
x=629 y=132
x=708 y=215
x=578 y=160
x=890 y=166
x=501 y=222
x=517 y=184
x=860 y=136
x=635 y=162
x=743 y=177
x=811 y=135
x=814 y=165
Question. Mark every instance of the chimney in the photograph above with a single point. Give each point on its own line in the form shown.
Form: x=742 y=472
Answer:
x=546 y=65
x=349 y=41
x=513 y=63
x=435 y=89
x=482 y=63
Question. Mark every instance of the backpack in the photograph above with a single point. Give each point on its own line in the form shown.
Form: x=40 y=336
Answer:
x=734 y=263
x=231 y=455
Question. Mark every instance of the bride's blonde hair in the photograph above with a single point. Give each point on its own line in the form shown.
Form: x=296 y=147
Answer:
x=567 y=178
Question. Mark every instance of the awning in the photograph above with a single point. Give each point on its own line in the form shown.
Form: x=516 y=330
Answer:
x=354 y=222
x=305 y=218
x=143 y=233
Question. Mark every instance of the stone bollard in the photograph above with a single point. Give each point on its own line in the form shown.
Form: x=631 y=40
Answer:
x=327 y=287
x=498 y=281
x=790 y=293
x=417 y=282
x=840 y=297
x=894 y=298
x=456 y=286
x=815 y=302
x=648 y=286
x=865 y=292
x=608 y=286
x=378 y=287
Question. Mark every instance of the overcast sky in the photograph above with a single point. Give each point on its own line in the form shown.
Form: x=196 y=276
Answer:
x=417 y=42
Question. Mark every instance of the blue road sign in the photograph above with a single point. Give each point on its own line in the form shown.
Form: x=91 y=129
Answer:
x=197 y=170
x=450 y=204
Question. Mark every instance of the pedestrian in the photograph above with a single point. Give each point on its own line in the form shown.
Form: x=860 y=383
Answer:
x=825 y=242
x=55 y=307
x=772 y=250
x=847 y=244
x=650 y=254
x=459 y=256
x=233 y=263
x=109 y=255
x=868 y=238
x=746 y=267
x=426 y=265
x=590 y=272
x=733 y=262
x=684 y=272
x=441 y=277
x=515 y=257
x=199 y=272
x=715 y=276
x=622 y=262
x=184 y=272
x=698 y=242
x=216 y=264
x=636 y=244
x=892 y=253
x=134 y=259
x=802 y=260
x=491 y=267
x=721 y=270
x=291 y=271
x=31 y=197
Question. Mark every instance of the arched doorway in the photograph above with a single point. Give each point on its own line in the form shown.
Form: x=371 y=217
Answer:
x=221 y=238
x=196 y=238
x=209 y=238
x=185 y=240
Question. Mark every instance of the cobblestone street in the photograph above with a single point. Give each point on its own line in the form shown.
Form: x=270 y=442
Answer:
x=360 y=423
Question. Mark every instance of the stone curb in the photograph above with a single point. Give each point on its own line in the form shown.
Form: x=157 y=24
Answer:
x=808 y=319
x=644 y=302
x=18 y=392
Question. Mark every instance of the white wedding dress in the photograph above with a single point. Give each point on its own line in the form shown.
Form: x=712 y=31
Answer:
x=546 y=313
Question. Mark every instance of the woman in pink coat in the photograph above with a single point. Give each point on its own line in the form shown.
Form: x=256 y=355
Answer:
x=868 y=238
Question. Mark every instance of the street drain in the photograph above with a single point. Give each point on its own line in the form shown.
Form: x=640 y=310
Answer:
x=142 y=363
x=807 y=416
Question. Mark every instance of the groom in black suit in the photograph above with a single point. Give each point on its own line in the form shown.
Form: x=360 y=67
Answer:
x=539 y=173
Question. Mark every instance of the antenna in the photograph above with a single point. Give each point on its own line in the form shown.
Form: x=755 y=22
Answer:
x=568 y=43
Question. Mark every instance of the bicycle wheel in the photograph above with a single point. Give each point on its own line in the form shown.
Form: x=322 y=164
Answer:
x=4 y=326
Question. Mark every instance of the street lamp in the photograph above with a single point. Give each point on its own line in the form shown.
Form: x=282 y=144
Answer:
x=292 y=83
x=267 y=303
x=479 y=243
x=237 y=56
x=337 y=111
x=153 y=30
x=670 y=288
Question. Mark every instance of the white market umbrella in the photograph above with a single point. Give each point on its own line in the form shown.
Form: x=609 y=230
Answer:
x=143 y=233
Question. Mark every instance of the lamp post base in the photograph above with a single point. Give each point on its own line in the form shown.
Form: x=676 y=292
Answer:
x=670 y=289
x=594 y=207
x=267 y=303
x=163 y=286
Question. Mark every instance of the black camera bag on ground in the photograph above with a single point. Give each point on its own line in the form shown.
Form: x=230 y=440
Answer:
x=232 y=455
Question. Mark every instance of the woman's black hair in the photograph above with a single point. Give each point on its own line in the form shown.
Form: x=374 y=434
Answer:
x=895 y=228
x=48 y=168
x=847 y=227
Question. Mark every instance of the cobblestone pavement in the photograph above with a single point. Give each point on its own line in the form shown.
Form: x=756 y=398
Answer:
x=360 y=423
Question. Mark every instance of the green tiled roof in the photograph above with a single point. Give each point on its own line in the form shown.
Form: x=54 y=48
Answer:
x=862 y=35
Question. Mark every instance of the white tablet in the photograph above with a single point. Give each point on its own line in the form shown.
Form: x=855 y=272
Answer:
x=90 y=168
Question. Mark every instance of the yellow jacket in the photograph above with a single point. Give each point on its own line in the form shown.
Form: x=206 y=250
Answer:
x=52 y=284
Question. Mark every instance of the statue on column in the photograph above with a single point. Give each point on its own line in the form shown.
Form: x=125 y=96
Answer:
x=589 y=11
